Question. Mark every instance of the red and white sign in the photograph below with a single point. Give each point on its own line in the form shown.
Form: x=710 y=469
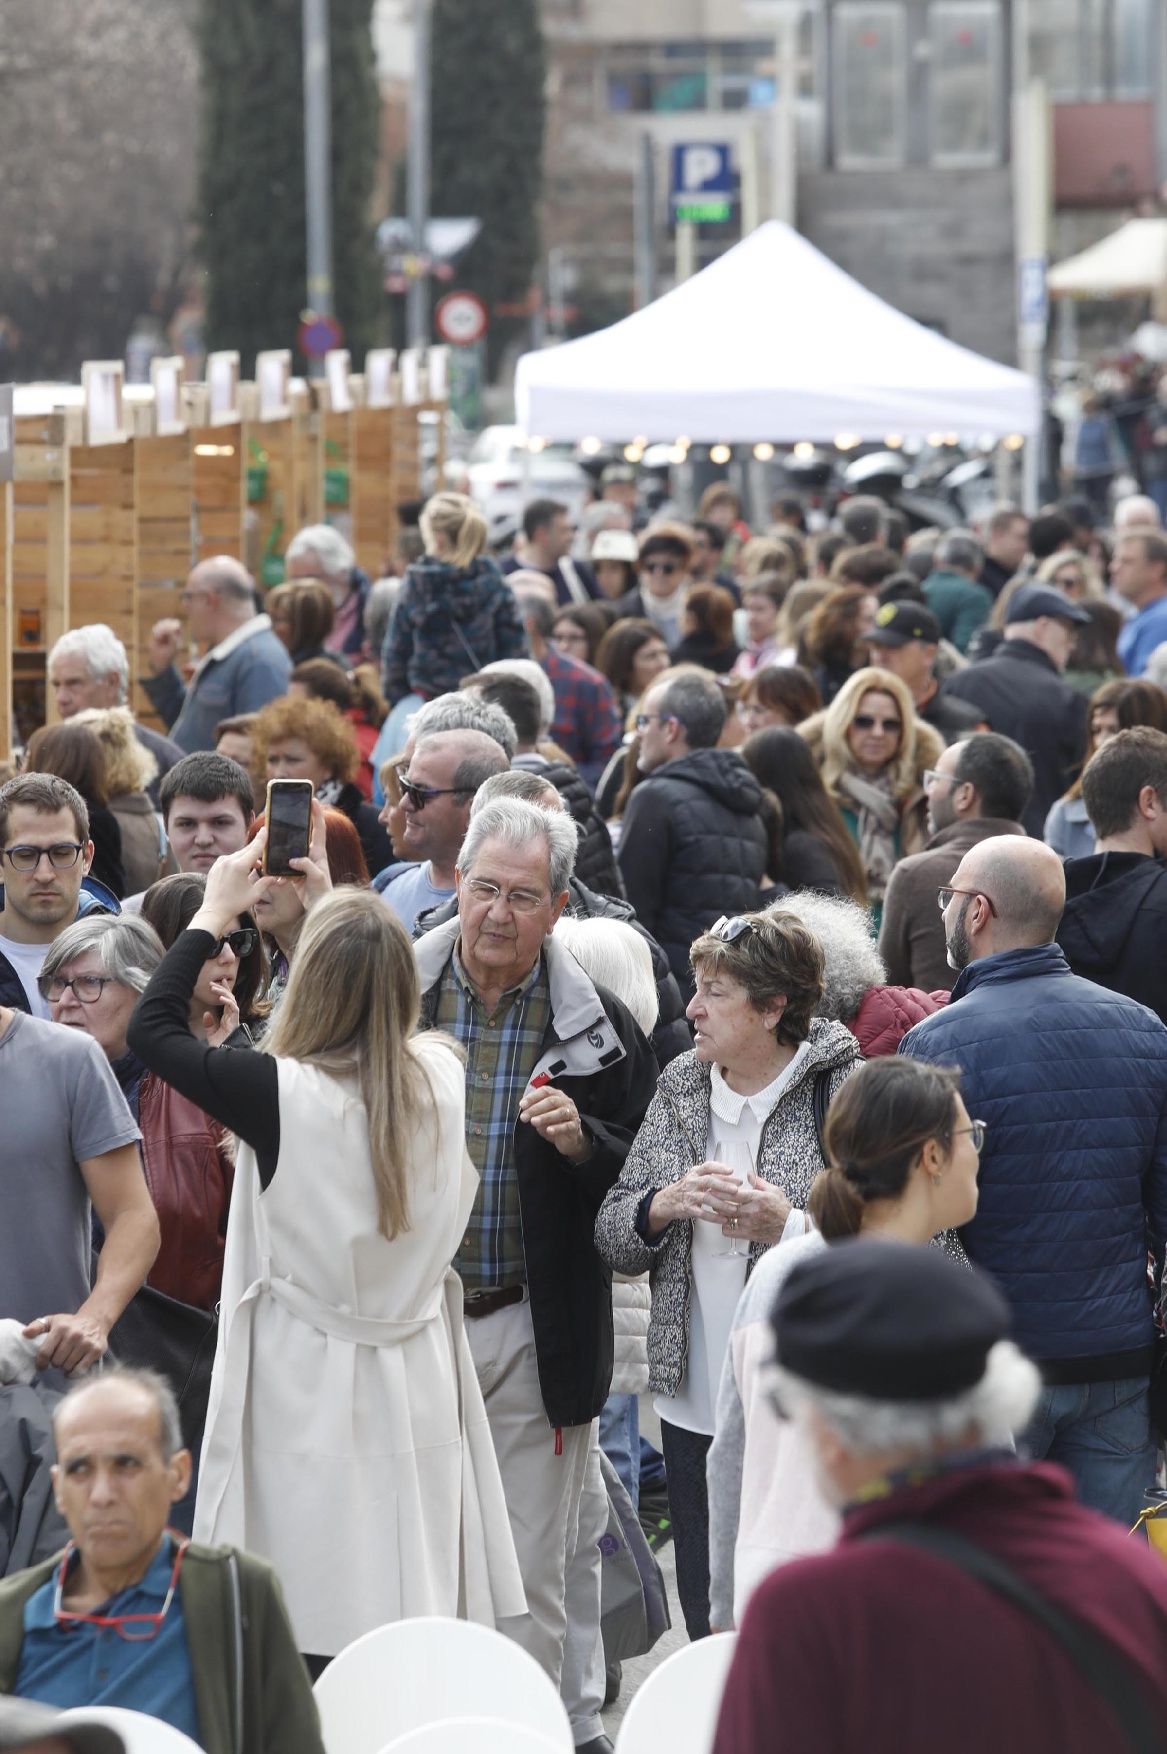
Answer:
x=460 y=318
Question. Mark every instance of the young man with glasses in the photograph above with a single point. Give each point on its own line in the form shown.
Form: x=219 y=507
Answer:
x=45 y=853
x=1071 y=1080
x=437 y=789
x=558 y=1077
x=132 y=1615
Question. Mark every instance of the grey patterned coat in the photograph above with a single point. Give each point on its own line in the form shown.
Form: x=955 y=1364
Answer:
x=672 y=1138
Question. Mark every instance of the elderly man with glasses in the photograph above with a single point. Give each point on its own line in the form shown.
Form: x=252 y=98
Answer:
x=132 y=1614
x=438 y=784
x=558 y=1077
x=1072 y=1082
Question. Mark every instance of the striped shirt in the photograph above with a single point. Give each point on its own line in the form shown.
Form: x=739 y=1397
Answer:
x=502 y=1050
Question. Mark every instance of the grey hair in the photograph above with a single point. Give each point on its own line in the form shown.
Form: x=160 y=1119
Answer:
x=695 y=700
x=328 y=545
x=525 y=783
x=229 y=577
x=153 y=1384
x=518 y=825
x=479 y=757
x=101 y=649
x=616 y=955
x=852 y=964
x=997 y=1408
x=464 y=712
x=531 y=672
x=535 y=608
x=379 y=607
x=130 y=949
x=960 y=548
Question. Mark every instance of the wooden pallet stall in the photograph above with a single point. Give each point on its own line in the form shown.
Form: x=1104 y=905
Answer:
x=218 y=487
x=371 y=505
x=163 y=518
x=38 y=584
x=6 y=620
x=283 y=473
x=103 y=539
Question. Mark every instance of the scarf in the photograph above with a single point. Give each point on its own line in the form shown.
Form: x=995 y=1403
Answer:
x=878 y=828
x=665 y=612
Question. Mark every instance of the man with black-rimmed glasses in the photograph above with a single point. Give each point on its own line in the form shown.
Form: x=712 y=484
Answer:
x=45 y=854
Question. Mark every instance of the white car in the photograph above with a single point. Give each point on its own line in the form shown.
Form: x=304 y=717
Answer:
x=505 y=475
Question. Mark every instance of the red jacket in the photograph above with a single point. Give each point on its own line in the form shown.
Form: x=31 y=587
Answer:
x=887 y=1014
x=189 y=1164
x=890 y=1650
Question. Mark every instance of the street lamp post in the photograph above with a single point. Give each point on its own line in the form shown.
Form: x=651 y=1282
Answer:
x=318 y=155
x=417 y=321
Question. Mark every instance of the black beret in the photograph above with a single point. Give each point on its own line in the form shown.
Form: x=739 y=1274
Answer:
x=888 y=1321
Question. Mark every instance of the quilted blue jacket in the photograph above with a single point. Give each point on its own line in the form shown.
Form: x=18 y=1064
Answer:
x=1071 y=1080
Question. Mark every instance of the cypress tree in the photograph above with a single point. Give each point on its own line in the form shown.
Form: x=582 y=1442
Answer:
x=488 y=113
x=251 y=172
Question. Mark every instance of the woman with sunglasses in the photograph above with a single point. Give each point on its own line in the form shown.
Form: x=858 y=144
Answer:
x=903 y=1157
x=873 y=751
x=227 y=1002
x=729 y=1146
x=347 y=1441
x=666 y=552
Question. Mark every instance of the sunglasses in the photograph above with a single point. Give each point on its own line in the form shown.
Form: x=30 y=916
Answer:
x=865 y=722
x=730 y=927
x=419 y=796
x=241 y=944
x=668 y=567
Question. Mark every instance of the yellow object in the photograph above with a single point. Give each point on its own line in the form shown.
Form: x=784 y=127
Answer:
x=1153 y=1522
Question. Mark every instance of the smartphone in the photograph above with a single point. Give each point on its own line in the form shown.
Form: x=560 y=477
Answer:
x=289 y=825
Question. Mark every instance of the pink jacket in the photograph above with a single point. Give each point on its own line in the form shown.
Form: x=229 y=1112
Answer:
x=886 y=1015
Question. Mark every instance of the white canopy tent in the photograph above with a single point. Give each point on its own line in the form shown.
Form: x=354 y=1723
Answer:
x=771 y=342
x=1131 y=262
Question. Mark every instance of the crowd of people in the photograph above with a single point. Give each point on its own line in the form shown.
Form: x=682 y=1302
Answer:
x=727 y=967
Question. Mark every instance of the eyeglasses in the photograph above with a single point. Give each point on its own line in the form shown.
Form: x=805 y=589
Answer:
x=151 y=1624
x=668 y=567
x=520 y=901
x=944 y=896
x=865 y=722
x=419 y=796
x=643 y=720
x=61 y=857
x=569 y=636
x=730 y=927
x=86 y=988
x=241 y=943
x=934 y=778
x=186 y=598
x=976 y=1131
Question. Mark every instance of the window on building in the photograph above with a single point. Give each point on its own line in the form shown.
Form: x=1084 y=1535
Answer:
x=671 y=77
x=870 y=68
x=1089 y=50
x=965 y=85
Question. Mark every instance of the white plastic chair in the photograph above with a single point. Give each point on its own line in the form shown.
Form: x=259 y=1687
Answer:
x=416 y=1672
x=140 y=1733
x=473 y=1735
x=677 y=1706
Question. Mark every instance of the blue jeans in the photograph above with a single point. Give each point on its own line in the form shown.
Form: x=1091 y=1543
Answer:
x=1101 y=1433
x=620 y=1441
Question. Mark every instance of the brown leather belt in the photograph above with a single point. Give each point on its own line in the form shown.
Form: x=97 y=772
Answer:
x=484 y=1303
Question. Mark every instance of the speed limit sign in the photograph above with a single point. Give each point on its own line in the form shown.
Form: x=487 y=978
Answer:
x=460 y=318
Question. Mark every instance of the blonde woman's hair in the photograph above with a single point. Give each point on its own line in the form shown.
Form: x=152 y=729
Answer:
x=457 y=518
x=129 y=766
x=837 y=757
x=351 y=1007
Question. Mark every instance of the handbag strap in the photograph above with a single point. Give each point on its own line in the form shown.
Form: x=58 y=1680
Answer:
x=1101 y=1666
x=821 y=1098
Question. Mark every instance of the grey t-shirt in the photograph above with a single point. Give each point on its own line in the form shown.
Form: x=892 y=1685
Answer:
x=59 y=1104
x=412 y=893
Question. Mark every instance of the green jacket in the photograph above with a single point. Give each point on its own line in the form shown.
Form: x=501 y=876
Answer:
x=960 y=605
x=251 y=1686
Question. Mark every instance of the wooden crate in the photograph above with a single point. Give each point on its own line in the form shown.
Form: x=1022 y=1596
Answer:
x=373 y=523
x=405 y=459
x=218 y=491
x=103 y=540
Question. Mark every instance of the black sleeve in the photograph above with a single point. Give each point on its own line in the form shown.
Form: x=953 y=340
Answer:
x=239 y=1089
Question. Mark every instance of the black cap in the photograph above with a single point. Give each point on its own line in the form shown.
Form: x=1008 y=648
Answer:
x=897 y=624
x=887 y=1321
x=1032 y=601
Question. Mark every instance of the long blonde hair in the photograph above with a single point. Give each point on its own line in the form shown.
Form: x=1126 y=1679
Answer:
x=350 y=1008
x=457 y=518
x=836 y=754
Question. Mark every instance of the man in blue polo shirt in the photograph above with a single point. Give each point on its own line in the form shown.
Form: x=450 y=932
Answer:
x=134 y=1615
x=1138 y=573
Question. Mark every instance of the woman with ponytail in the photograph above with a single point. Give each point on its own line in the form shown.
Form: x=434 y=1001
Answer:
x=903 y=1156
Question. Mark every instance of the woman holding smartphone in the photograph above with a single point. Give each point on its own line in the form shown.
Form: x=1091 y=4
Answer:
x=346 y=1438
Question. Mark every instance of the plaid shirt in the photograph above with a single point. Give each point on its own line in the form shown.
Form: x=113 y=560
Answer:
x=502 y=1049
x=587 y=714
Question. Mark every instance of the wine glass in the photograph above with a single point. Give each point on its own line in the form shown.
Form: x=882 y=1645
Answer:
x=735 y=1155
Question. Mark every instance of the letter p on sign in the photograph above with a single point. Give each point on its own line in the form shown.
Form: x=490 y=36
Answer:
x=700 y=167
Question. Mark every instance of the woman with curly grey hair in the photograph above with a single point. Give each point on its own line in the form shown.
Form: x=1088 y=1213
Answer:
x=730 y=1144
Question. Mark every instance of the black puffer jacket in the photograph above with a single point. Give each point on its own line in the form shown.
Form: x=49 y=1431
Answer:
x=693 y=847
x=1114 y=928
x=595 y=862
x=672 y=1035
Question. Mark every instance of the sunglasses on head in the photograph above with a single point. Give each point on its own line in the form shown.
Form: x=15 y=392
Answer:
x=865 y=722
x=730 y=927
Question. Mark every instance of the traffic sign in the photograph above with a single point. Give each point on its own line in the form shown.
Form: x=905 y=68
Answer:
x=460 y=318
x=318 y=335
x=701 y=181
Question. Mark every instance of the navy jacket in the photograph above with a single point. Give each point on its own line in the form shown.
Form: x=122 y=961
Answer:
x=1071 y=1080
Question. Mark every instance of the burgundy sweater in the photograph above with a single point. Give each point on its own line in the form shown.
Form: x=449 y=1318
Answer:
x=884 y=1649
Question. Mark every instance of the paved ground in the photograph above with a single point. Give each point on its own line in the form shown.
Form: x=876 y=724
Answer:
x=635 y=1672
